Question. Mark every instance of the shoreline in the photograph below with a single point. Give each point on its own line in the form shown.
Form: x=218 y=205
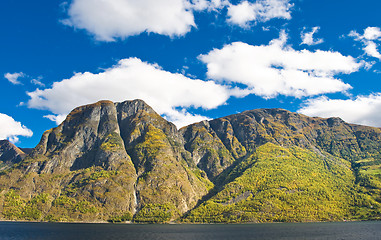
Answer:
x=180 y=223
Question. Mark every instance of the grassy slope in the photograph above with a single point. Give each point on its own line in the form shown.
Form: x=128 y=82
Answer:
x=286 y=185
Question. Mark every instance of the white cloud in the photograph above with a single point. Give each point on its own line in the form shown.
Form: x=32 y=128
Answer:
x=37 y=81
x=56 y=118
x=13 y=77
x=132 y=79
x=11 y=129
x=372 y=33
x=108 y=20
x=260 y=11
x=364 y=110
x=183 y=118
x=370 y=39
x=308 y=37
x=277 y=69
x=371 y=49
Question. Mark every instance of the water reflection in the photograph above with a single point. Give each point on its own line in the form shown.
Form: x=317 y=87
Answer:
x=58 y=231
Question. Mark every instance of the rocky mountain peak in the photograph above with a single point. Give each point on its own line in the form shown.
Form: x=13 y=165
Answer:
x=79 y=140
x=129 y=108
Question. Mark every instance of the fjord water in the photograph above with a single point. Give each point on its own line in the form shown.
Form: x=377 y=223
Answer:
x=58 y=231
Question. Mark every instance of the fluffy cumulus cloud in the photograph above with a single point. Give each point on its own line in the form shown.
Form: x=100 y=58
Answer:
x=277 y=69
x=308 y=37
x=111 y=19
x=364 y=110
x=168 y=93
x=11 y=129
x=370 y=39
x=14 y=77
x=258 y=11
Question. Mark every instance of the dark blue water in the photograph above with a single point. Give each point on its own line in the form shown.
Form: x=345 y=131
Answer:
x=58 y=231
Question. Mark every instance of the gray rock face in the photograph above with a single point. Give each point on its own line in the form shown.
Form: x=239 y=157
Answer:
x=81 y=141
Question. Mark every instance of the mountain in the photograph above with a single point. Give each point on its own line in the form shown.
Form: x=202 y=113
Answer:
x=123 y=161
x=9 y=154
x=104 y=162
x=284 y=166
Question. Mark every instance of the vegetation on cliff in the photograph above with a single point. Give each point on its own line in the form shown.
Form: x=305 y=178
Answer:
x=287 y=185
x=123 y=162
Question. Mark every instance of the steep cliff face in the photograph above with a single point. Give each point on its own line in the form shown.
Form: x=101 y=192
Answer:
x=90 y=136
x=123 y=161
x=9 y=154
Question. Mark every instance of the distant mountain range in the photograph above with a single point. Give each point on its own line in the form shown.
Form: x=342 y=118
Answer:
x=121 y=162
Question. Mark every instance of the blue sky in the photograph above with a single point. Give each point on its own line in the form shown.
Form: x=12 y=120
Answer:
x=190 y=60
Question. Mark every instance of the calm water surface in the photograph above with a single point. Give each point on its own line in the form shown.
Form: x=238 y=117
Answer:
x=58 y=231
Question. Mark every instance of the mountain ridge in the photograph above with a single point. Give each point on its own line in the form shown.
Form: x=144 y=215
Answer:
x=123 y=161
